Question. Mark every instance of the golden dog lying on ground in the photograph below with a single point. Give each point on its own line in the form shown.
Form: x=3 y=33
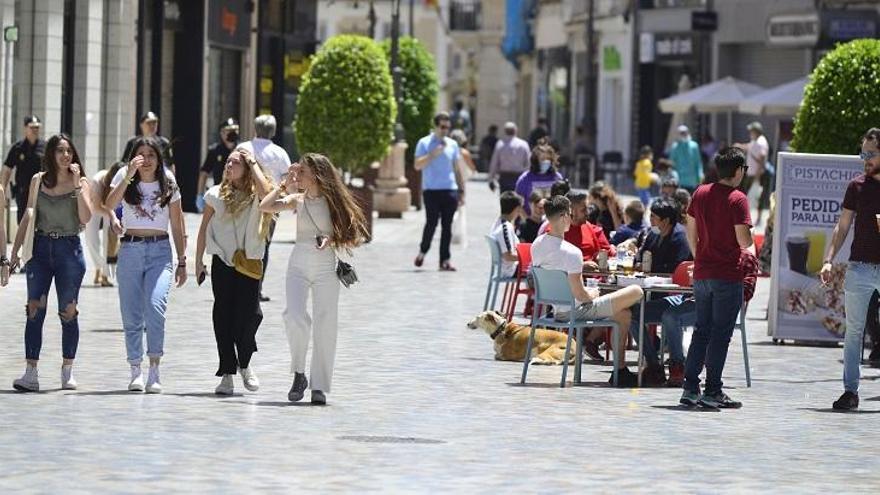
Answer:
x=511 y=340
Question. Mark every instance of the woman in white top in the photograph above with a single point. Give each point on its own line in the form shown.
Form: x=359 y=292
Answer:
x=328 y=219
x=150 y=202
x=232 y=224
x=100 y=224
x=467 y=168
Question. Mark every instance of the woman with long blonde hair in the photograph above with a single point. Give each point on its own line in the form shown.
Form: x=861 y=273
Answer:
x=234 y=232
x=328 y=220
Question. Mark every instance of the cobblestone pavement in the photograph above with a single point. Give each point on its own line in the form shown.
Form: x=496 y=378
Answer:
x=418 y=404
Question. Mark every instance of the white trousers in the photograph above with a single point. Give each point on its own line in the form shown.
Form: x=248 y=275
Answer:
x=94 y=236
x=312 y=271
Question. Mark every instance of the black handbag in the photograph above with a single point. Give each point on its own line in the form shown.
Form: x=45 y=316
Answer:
x=344 y=271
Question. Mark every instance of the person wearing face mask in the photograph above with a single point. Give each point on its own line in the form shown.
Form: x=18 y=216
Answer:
x=542 y=173
x=667 y=240
x=504 y=231
x=215 y=160
x=685 y=156
x=511 y=158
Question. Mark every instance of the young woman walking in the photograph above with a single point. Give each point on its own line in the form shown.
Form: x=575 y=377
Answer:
x=328 y=219
x=151 y=202
x=100 y=225
x=233 y=230
x=58 y=208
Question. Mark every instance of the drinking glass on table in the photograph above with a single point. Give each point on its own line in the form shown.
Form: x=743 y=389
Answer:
x=612 y=264
x=592 y=283
x=627 y=264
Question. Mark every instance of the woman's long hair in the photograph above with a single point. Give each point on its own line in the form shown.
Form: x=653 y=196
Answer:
x=108 y=178
x=50 y=178
x=237 y=197
x=349 y=223
x=166 y=188
x=601 y=190
x=543 y=148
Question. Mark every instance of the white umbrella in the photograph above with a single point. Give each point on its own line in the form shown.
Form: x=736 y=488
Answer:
x=784 y=99
x=723 y=95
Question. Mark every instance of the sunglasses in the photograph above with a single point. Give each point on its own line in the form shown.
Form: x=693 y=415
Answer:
x=868 y=155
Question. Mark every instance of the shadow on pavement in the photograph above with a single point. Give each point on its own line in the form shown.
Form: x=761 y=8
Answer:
x=834 y=411
x=682 y=407
x=205 y=395
x=104 y=392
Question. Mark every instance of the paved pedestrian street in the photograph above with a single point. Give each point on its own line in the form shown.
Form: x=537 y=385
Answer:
x=418 y=402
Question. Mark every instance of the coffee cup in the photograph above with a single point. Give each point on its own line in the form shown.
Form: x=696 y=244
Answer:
x=798 y=248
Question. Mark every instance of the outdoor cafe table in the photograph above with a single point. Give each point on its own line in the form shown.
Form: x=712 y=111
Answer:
x=647 y=292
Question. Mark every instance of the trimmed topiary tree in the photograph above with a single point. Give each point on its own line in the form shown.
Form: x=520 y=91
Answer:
x=419 y=87
x=346 y=108
x=840 y=101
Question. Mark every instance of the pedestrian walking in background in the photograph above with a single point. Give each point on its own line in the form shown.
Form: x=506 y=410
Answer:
x=215 y=160
x=461 y=118
x=4 y=261
x=487 y=147
x=234 y=232
x=48 y=238
x=685 y=156
x=642 y=174
x=540 y=131
x=329 y=220
x=757 y=153
x=150 y=208
x=25 y=157
x=609 y=212
x=541 y=175
x=510 y=159
x=275 y=161
x=438 y=157
x=467 y=168
x=861 y=206
x=101 y=223
x=718 y=229
x=149 y=124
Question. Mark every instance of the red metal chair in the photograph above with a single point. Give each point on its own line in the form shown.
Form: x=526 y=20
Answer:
x=680 y=276
x=521 y=285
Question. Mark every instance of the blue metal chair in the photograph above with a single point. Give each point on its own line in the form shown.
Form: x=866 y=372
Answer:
x=551 y=288
x=495 y=276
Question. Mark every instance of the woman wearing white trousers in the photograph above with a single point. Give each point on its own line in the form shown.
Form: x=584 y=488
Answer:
x=328 y=219
x=99 y=227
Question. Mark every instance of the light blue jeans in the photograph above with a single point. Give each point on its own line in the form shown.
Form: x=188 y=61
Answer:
x=144 y=275
x=862 y=279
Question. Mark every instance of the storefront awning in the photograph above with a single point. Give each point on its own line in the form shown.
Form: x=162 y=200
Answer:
x=784 y=100
x=723 y=95
x=517 y=29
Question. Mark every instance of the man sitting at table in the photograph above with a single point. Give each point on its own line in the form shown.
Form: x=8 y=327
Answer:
x=552 y=252
x=589 y=238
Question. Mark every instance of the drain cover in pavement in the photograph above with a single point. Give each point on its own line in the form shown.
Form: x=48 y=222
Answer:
x=380 y=439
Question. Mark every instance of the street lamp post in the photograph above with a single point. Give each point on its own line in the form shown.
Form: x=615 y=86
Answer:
x=395 y=68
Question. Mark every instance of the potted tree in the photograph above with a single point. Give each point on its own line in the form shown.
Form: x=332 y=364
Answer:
x=419 y=88
x=346 y=109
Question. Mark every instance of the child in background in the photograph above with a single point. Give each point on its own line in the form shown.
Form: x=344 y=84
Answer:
x=642 y=174
x=504 y=231
x=528 y=230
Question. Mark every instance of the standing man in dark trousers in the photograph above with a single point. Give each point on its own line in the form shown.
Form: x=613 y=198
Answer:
x=438 y=157
x=718 y=229
x=511 y=158
x=215 y=160
x=149 y=124
x=26 y=158
x=861 y=206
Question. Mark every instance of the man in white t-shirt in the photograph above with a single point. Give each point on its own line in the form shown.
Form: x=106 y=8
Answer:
x=504 y=231
x=552 y=252
x=274 y=160
x=757 y=152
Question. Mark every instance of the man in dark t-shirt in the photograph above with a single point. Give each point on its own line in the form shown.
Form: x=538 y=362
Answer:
x=25 y=157
x=861 y=206
x=149 y=124
x=215 y=159
x=718 y=229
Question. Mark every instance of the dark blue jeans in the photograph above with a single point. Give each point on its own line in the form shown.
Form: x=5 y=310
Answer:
x=61 y=259
x=718 y=305
x=440 y=205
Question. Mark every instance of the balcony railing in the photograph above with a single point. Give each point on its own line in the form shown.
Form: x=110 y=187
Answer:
x=465 y=15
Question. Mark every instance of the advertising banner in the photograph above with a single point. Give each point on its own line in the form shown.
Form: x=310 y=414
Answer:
x=809 y=195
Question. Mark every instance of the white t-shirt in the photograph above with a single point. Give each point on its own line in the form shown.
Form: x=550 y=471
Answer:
x=226 y=234
x=757 y=148
x=552 y=253
x=268 y=154
x=505 y=235
x=149 y=215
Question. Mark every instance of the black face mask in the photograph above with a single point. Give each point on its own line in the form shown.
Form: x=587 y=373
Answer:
x=232 y=136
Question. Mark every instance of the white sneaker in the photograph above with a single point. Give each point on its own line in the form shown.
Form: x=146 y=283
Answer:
x=153 y=384
x=137 y=380
x=29 y=382
x=226 y=387
x=251 y=382
x=68 y=382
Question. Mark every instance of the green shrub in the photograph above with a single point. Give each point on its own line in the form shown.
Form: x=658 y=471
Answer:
x=419 y=88
x=841 y=100
x=346 y=107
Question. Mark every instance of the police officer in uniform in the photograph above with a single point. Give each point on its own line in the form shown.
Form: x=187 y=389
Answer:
x=215 y=160
x=149 y=124
x=26 y=159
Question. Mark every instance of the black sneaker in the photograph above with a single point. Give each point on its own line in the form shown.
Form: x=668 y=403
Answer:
x=719 y=400
x=591 y=349
x=318 y=398
x=688 y=398
x=625 y=379
x=300 y=384
x=847 y=402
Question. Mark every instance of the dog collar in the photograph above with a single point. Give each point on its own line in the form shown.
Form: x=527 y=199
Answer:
x=498 y=330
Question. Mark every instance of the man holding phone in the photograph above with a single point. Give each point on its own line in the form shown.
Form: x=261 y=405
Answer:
x=861 y=205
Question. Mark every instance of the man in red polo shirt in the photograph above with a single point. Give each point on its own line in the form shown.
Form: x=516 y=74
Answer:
x=718 y=229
